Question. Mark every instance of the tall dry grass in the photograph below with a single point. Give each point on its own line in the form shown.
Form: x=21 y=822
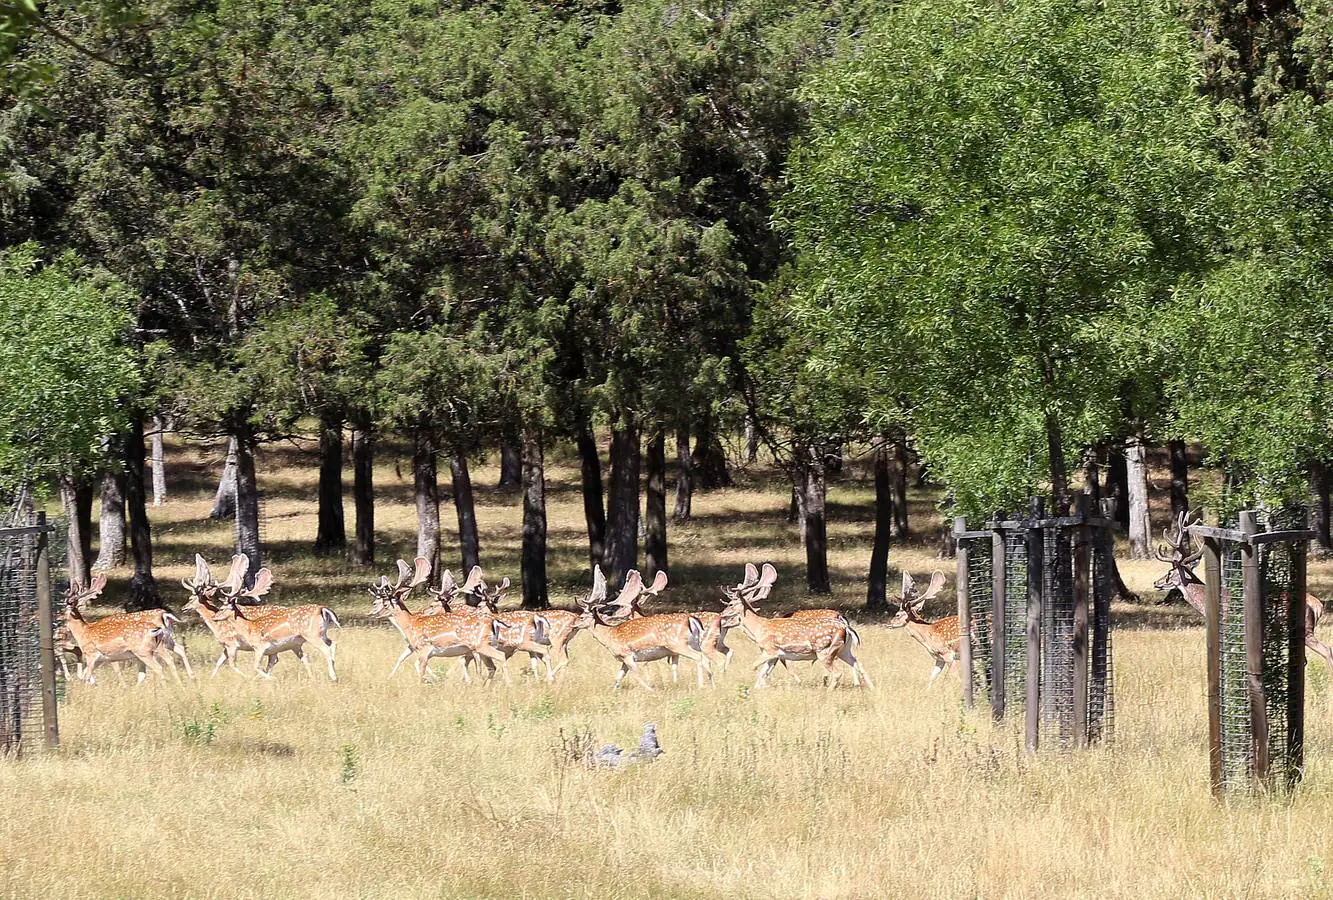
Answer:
x=375 y=788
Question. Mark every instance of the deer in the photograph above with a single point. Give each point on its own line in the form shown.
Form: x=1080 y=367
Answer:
x=142 y=638
x=1176 y=553
x=823 y=641
x=270 y=630
x=523 y=630
x=207 y=600
x=712 y=643
x=417 y=629
x=470 y=633
x=939 y=638
x=637 y=640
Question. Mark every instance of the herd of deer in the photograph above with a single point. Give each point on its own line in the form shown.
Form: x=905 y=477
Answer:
x=465 y=622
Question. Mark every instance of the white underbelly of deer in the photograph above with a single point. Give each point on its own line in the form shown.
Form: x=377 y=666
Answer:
x=651 y=654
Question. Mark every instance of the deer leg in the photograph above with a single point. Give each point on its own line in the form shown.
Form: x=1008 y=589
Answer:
x=1321 y=648
x=495 y=658
x=330 y=654
x=764 y=667
x=300 y=654
x=831 y=675
x=233 y=653
x=637 y=671
x=222 y=657
x=675 y=668
x=179 y=650
x=939 y=667
x=90 y=666
x=402 y=658
x=260 y=653
x=701 y=665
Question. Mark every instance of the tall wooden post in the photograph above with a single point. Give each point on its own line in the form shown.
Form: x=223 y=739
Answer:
x=1212 y=617
x=997 y=640
x=1082 y=595
x=46 y=636
x=964 y=611
x=1036 y=544
x=1296 y=665
x=1254 y=645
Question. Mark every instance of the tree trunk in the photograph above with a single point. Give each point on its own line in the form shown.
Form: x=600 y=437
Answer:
x=1055 y=449
x=751 y=440
x=331 y=531
x=1117 y=486
x=363 y=493
x=76 y=497
x=796 y=512
x=709 y=461
x=816 y=533
x=534 y=522
x=655 y=539
x=594 y=510
x=1319 y=488
x=1092 y=477
x=224 y=501
x=1180 y=477
x=159 y=461
x=684 y=477
x=901 y=465
x=427 y=490
x=877 y=584
x=467 y=512
x=247 y=504
x=622 y=520
x=143 y=587
x=1140 y=533
x=511 y=464
x=111 y=531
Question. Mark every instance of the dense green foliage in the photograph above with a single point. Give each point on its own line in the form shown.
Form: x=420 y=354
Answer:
x=64 y=368
x=1016 y=232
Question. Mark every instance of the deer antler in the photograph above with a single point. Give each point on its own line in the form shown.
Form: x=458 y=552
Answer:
x=598 y=592
x=474 y=581
x=240 y=564
x=936 y=585
x=263 y=581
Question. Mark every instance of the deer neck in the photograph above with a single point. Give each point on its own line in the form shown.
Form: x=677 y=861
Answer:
x=754 y=625
x=206 y=613
x=923 y=633
x=1191 y=588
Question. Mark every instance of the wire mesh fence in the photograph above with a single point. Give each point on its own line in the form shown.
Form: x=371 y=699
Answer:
x=1257 y=657
x=22 y=720
x=1061 y=569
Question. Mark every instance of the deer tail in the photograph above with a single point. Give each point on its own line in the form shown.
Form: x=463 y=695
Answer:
x=329 y=618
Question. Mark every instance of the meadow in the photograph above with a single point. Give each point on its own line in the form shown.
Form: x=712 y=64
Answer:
x=223 y=787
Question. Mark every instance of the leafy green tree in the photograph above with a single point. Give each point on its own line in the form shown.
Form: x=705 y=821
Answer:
x=985 y=194
x=66 y=368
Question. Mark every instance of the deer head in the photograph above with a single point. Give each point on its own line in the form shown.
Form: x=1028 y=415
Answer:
x=1176 y=553
x=79 y=593
x=390 y=596
x=910 y=601
x=595 y=609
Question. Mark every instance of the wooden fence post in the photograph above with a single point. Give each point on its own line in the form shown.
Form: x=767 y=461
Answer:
x=1254 y=645
x=964 y=611
x=999 y=565
x=1296 y=664
x=1212 y=617
x=46 y=636
x=1082 y=592
x=1036 y=545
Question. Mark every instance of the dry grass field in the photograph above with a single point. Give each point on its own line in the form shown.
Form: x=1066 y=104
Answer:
x=394 y=789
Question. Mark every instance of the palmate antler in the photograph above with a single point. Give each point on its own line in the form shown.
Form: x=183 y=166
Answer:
x=79 y=593
x=1176 y=549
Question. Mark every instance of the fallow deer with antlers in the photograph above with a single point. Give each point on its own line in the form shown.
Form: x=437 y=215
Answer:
x=143 y=638
x=207 y=601
x=471 y=632
x=419 y=630
x=823 y=641
x=939 y=638
x=522 y=630
x=269 y=630
x=1177 y=554
x=637 y=640
x=712 y=641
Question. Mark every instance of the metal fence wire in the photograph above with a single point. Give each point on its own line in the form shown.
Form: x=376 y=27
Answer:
x=1101 y=684
x=1015 y=615
x=1057 y=645
x=20 y=647
x=979 y=586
